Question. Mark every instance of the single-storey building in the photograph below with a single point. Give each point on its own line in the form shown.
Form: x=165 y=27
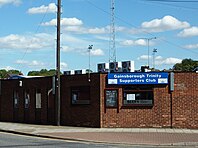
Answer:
x=146 y=99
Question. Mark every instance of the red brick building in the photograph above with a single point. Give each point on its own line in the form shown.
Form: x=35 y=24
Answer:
x=95 y=103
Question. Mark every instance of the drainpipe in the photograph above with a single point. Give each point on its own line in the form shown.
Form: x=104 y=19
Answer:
x=171 y=89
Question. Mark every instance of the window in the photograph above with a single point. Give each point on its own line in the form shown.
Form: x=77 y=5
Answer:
x=27 y=99
x=139 y=95
x=16 y=99
x=111 y=97
x=38 y=98
x=80 y=95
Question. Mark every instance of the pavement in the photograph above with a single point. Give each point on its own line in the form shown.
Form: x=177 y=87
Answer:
x=128 y=136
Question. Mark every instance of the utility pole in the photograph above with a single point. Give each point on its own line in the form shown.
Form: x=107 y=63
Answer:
x=58 y=64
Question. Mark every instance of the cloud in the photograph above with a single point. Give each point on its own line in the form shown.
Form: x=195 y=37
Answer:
x=93 y=52
x=42 y=41
x=117 y=28
x=143 y=57
x=51 y=8
x=168 y=61
x=26 y=42
x=8 y=68
x=75 y=29
x=63 y=65
x=83 y=30
x=21 y=62
x=71 y=21
x=64 y=22
x=102 y=37
x=96 y=30
x=166 y=23
x=139 y=42
x=33 y=63
x=66 y=49
x=160 y=60
x=14 y=2
x=75 y=25
x=189 y=32
x=73 y=41
x=191 y=46
x=97 y=52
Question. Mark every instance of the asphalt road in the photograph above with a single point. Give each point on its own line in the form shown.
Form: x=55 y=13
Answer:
x=8 y=140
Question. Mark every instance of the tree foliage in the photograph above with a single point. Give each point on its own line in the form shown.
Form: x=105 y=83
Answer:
x=186 y=65
x=42 y=72
x=4 y=73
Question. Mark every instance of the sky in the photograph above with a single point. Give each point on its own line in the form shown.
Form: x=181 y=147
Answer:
x=28 y=33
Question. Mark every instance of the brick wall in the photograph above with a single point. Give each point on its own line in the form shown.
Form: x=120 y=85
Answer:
x=184 y=106
x=75 y=115
x=185 y=100
x=20 y=114
x=80 y=114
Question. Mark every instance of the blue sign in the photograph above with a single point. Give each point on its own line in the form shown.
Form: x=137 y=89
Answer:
x=138 y=78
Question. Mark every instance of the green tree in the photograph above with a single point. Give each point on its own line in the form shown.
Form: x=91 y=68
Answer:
x=33 y=73
x=186 y=65
x=42 y=72
x=16 y=72
x=4 y=73
x=52 y=72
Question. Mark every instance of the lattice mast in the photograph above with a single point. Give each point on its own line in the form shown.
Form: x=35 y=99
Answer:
x=112 y=47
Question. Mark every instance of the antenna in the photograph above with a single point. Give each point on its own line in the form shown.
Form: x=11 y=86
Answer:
x=112 y=48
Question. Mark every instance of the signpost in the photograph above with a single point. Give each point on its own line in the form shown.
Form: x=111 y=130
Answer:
x=138 y=78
